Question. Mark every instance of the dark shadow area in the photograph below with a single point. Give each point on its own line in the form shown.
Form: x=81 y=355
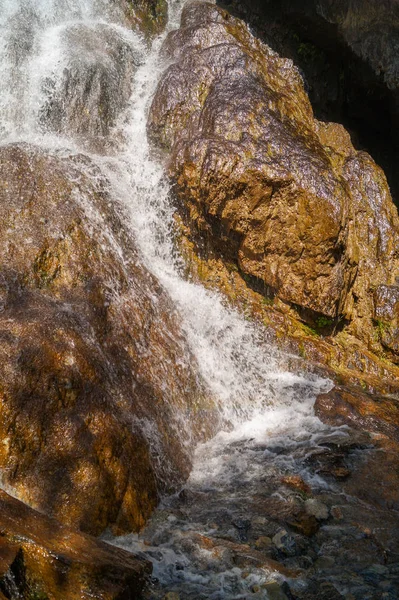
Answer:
x=342 y=87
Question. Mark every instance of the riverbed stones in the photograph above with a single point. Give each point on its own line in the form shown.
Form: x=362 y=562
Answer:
x=316 y=509
x=96 y=375
x=263 y=543
x=285 y=543
x=274 y=591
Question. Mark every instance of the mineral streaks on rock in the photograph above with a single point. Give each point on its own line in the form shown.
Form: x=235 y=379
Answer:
x=284 y=195
x=39 y=558
x=149 y=15
x=91 y=353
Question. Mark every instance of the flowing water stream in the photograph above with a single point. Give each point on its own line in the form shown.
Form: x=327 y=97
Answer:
x=53 y=54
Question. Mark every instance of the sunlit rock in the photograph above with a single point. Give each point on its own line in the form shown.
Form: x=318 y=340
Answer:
x=39 y=558
x=286 y=197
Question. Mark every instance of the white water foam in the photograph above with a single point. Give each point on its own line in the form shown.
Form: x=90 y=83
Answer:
x=241 y=370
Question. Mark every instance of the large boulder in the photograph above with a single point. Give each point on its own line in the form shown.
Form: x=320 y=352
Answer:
x=96 y=378
x=306 y=217
x=39 y=558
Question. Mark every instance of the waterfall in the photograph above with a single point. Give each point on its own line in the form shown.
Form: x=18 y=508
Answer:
x=77 y=80
x=52 y=54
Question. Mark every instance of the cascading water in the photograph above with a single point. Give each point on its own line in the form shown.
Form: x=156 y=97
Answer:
x=81 y=83
x=61 y=61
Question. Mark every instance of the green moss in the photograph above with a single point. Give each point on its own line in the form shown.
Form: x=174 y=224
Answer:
x=302 y=351
x=323 y=322
x=268 y=301
x=381 y=327
x=308 y=330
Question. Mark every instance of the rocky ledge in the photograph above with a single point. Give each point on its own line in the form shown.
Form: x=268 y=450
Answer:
x=39 y=558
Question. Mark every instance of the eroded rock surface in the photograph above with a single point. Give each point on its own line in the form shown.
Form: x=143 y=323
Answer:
x=39 y=558
x=306 y=217
x=95 y=373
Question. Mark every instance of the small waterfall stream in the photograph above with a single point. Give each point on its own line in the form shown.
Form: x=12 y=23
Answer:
x=52 y=52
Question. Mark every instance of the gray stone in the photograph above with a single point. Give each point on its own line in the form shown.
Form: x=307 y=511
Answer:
x=274 y=591
x=317 y=509
x=285 y=543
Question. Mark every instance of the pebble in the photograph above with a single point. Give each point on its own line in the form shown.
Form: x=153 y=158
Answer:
x=324 y=562
x=316 y=509
x=263 y=543
x=274 y=591
x=259 y=521
x=285 y=543
x=336 y=512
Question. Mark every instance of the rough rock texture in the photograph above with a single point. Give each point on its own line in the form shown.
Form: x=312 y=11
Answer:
x=93 y=365
x=345 y=406
x=150 y=15
x=41 y=559
x=306 y=217
x=347 y=51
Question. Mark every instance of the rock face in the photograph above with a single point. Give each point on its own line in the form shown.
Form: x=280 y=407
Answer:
x=39 y=558
x=93 y=365
x=306 y=217
x=345 y=406
x=348 y=53
x=151 y=15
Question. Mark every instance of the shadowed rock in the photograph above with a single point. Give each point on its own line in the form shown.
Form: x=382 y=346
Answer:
x=39 y=558
x=96 y=376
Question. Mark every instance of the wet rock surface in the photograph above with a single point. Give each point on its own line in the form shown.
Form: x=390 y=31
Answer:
x=274 y=191
x=150 y=15
x=95 y=373
x=95 y=86
x=39 y=558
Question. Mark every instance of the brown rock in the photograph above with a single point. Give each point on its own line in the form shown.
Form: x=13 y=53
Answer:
x=150 y=16
x=346 y=406
x=347 y=52
x=287 y=198
x=45 y=559
x=263 y=543
x=297 y=483
x=95 y=373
